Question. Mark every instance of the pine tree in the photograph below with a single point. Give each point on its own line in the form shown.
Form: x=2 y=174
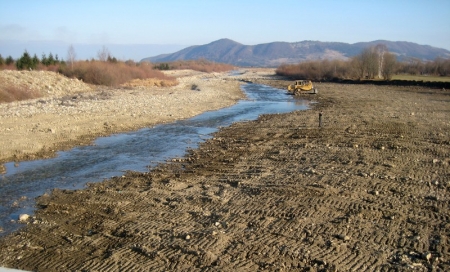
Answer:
x=9 y=60
x=25 y=62
x=44 y=59
x=35 y=60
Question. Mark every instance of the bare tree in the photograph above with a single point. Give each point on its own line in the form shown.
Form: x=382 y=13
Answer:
x=389 y=65
x=71 y=56
x=103 y=54
x=380 y=50
x=366 y=63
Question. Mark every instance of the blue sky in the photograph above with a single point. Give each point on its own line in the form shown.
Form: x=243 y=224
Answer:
x=181 y=23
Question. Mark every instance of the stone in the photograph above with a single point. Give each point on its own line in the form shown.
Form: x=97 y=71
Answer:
x=344 y=237
x=23 y=217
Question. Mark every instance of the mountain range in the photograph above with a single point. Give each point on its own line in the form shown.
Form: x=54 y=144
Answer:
x=275 y=53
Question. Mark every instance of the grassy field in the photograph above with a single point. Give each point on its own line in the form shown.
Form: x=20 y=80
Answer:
x=423 y=78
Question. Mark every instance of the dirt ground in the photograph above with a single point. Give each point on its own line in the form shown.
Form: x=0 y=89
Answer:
x=367 y=191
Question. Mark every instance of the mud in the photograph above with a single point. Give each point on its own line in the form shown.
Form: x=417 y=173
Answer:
x=367 y=191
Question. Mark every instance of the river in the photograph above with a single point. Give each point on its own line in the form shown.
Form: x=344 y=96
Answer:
x=137 y=151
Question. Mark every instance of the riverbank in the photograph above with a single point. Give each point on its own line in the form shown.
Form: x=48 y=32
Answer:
x=67 y=117
x=367 y=191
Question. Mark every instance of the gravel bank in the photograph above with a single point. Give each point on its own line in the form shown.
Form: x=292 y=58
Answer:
x=73 y=113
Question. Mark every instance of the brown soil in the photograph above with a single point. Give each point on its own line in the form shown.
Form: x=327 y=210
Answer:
x=367 y=191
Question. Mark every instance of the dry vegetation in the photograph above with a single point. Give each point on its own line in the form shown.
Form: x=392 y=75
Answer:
x=200 y=65
x=111 y=73
x=107 y=71
x=373 y=63
x=317 y=70
x=10 y=93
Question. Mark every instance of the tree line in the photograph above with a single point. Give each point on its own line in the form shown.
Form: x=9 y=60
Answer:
x=28 y=62
x=106 y=69
x=374 y=62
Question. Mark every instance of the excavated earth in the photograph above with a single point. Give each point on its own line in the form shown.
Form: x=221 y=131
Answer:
x=367 y=191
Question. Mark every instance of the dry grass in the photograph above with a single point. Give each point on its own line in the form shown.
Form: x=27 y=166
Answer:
x=112 y=74
x=422 y=78
x=201 y=65
x=10 y=93
x=316 y=70
x=8 y=67
x=149 y=82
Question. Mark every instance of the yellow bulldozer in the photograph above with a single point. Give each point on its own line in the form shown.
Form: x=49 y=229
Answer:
x=302 y=86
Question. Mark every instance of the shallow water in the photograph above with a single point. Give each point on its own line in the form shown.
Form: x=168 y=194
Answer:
x=137 y=151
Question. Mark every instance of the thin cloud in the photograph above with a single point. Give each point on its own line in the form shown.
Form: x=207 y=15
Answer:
x=17 y=32
x=63 y=33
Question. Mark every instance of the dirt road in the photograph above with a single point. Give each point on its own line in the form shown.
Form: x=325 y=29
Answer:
x=368 y=191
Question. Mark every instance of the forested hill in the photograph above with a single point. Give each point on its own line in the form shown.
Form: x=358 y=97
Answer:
x=276 y=53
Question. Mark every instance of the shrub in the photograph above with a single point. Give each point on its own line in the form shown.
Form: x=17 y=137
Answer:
x=162 y=66
x=316 y=70
x=9 y=93
x=201 y=65
x=111 y=73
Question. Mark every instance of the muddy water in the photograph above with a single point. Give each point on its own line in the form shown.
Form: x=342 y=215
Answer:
x=136 y=151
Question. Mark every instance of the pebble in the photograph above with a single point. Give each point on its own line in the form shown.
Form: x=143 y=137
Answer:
x=23 y=217
x=344 y=237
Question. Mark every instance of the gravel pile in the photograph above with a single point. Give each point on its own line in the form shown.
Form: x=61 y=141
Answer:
x=48 y=83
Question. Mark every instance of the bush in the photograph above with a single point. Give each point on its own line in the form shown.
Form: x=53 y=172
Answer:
x=316 y=70
x=111 y=73
x=9 y=93
x=200 y=65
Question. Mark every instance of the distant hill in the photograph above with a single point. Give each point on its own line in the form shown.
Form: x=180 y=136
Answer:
x=276 y=53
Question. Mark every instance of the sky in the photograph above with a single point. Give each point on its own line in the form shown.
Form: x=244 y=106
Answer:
x=135 y=29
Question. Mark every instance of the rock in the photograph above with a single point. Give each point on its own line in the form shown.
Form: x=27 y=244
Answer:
x=344 y=237
x=188 y=237
x=427 y=256
x=23 y=217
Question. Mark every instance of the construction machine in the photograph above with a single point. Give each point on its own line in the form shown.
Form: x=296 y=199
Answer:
x=302 y=86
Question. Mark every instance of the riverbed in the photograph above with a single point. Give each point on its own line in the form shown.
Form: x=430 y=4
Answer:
x=133 y=151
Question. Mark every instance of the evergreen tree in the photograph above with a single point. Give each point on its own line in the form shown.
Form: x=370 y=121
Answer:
x=35 y=60
x=44 y=59
x=2 y=60
x=51 y=60
x=25 y=62
x=9 y=60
